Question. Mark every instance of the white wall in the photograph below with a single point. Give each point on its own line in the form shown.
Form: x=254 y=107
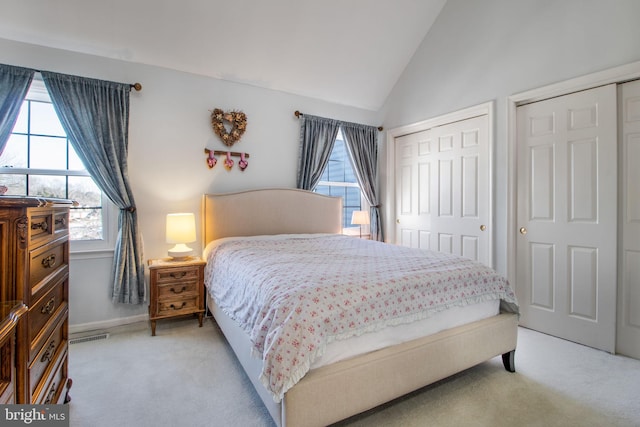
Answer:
x=169 y=129
x=479 y=51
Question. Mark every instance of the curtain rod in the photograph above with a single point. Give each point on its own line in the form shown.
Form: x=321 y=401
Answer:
x=137 y=86
x=298 y=114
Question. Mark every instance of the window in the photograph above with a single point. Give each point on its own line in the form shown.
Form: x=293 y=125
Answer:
x=39 y=160
x=339 y=180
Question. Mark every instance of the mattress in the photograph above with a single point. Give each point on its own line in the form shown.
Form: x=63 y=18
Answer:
x=339 y=313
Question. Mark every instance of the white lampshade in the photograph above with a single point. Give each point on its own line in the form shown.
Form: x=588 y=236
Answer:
x=360 y=217
x=181 y=229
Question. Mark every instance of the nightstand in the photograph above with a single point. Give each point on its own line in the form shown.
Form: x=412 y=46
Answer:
x=176 y=289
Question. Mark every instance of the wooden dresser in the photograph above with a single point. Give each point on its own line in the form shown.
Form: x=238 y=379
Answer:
x=34 y=262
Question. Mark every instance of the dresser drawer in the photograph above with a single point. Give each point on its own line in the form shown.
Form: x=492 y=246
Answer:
x=177 y=289
x=7 y=372
x=186 y=273
x=47 y=224
x=46 y=261
x=51 y=388
x=178 y=306
x=39 y=339
x=42 y=364
x=44 y=309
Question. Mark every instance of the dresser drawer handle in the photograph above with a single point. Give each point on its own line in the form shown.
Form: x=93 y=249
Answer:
x=179 y=275
x=49 y=306
x=184 y=288
x=51 y=394
x=61 y=221
x=49 y=261
x=46 y=357
x=178 y=308
x=44 y=226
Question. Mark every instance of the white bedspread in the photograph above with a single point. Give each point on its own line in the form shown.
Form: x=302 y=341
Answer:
x=294 y=294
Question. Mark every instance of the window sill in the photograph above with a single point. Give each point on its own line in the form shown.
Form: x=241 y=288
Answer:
x=91 y=254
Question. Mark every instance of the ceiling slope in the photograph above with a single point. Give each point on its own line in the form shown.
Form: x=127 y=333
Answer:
x=349 y=52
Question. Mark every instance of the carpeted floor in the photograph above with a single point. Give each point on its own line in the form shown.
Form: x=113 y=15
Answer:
x=187 y=376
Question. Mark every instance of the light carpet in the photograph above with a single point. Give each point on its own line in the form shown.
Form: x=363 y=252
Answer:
x=187 y=376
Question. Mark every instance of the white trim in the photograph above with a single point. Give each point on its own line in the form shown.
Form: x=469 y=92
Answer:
x=617 y=75
x=109 y=234
x=487 y=109
x=106 y=324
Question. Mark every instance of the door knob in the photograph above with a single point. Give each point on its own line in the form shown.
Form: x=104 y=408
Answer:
x=483 y=227
x=397 y=221
x=523 y=231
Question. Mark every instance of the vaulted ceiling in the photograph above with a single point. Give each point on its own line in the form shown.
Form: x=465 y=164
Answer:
x=349 y=52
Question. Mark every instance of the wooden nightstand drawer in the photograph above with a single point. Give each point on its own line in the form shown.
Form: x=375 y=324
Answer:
x=178 y=306
x=177 y=289
x=177 y=274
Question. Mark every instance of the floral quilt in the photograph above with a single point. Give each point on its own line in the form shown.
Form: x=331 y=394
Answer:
x=295 y=294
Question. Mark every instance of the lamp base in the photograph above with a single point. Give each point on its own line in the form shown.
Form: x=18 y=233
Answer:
x=180 y=252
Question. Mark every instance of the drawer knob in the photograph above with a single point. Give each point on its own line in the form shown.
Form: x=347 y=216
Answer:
x=49 y=306
x=49 y=261
x=184 y=288
x=44 y=226
x=51 y=394
x=178 y=308
x=61 y=222
x=46 y=357
x=179 y=275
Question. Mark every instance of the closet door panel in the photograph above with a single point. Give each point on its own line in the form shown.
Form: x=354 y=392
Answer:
x=566 y=216
x=628 y=330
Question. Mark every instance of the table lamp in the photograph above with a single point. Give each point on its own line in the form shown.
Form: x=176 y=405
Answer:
x=181 y=229
x=360 y=218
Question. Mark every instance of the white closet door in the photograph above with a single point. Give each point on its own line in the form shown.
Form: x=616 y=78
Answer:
x=566 y=213
x=628 y=331
x=413 y=189
x=443 y=195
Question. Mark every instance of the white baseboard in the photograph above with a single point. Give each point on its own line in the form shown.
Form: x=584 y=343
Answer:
x=106 y=324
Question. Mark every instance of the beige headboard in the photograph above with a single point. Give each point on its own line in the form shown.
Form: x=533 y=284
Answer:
x=269 y=211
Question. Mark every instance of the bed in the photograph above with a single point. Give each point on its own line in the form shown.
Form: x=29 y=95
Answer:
x=331 y=376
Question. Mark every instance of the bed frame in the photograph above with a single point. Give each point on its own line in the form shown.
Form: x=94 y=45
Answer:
x=335 y=392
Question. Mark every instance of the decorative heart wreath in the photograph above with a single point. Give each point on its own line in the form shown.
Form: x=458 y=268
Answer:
x=238 y=122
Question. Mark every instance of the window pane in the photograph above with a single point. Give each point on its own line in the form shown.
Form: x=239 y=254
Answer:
x=349 y=174
x=75 y=164
x=323 y=189
x=23 y=119
x=47 y=186
x=337 y=192
x=15 y=152
x=44 y=120
x=16 y=184
x=85 y=224
x=48 y=153
x=352 y=198
x=83 y=190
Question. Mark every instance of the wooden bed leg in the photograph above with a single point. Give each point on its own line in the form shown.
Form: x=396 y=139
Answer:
x=508 y=360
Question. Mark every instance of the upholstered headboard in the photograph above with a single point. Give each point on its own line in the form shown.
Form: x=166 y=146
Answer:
x=269 y=211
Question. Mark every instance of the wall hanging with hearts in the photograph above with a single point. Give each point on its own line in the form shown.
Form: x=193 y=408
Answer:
x=237 y=120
